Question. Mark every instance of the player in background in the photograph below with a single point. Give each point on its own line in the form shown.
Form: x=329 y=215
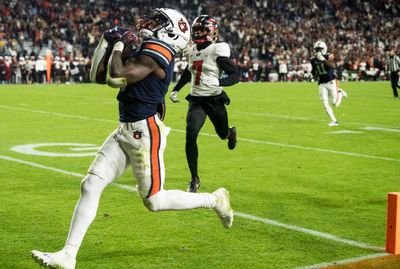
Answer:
x=206 y=61
x=393 y=69
x=141 y=137
x=323 y=67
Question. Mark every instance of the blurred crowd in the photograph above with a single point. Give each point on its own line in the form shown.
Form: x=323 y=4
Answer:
x=271 y=40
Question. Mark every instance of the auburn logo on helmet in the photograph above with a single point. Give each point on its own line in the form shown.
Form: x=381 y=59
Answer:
x=183 y=25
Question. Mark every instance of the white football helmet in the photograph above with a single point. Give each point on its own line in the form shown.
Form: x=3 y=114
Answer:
x=168 y=25
x=320 y=46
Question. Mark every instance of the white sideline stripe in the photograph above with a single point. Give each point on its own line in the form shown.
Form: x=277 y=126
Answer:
x=355 y=259
x=240 y=139
x=243 y=215
x=126 y=187
x=310 y=232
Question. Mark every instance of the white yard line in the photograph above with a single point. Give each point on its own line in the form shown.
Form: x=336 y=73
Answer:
x=126 y=187
x=56 y=114
x=214 y=135
x=306 y=148
x=298 y=118
x=239 y=214
x=374 y=128
x=345 y=132
x=259 y=114
x=355 y=259
x=353 y=154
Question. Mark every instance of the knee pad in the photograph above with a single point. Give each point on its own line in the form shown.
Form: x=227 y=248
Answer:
x=92 y=184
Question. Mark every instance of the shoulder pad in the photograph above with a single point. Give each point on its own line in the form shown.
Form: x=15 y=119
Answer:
x=222 y=49
x=158 y=50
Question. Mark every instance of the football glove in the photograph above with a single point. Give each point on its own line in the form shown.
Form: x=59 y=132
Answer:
x=210 y=81
x=129 y=38
x=174 y=97
x=320 y=56
x=114 y=34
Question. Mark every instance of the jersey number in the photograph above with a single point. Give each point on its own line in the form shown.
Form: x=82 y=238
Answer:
x=321 y=69
x=198 y=66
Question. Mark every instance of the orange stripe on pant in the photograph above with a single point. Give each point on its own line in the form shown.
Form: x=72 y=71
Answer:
x=154 y=156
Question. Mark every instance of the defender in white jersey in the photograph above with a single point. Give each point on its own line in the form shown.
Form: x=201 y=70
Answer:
x=207 y=59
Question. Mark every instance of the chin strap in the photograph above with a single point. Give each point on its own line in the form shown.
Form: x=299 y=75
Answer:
x=97 y=56
x=115 y=82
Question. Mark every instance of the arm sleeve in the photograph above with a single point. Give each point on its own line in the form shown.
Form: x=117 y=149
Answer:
x=185 y=78
x=230 y=69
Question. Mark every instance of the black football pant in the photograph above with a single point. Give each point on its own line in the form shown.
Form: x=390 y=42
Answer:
x=394 y=79
x=195 y=118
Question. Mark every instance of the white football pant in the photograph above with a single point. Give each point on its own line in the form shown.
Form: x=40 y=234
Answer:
x=330 y=93
x=139 y=144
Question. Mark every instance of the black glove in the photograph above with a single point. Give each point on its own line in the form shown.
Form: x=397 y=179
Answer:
x=129 y=38
x=114 y=34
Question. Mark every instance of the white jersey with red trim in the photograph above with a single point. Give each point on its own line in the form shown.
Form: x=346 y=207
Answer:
x=203 y=64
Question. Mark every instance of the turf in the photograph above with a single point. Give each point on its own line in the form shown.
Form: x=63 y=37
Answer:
x=289 y=167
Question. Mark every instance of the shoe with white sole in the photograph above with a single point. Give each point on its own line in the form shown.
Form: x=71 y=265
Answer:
x=345 y=95
x=333 y=124
x=56 y=260
x=341 y=94
x=223 y=207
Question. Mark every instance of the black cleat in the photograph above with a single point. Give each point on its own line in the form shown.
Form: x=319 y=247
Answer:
x=232 y=138
x=194 y=185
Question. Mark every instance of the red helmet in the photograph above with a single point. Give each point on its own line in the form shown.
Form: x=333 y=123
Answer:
x=204 y=28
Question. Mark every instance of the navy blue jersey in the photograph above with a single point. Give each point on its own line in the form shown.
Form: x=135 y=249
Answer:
x=324 y=72
x=140 y=100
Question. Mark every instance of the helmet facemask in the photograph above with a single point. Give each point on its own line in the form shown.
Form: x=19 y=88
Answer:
x=320 y=46
x=204 y=29
x=148 y=25
x=167 y=25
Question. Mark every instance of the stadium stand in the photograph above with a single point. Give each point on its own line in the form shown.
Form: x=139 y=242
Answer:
x=268 y=37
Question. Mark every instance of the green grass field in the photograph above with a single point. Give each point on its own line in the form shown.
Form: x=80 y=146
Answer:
x=305 y=193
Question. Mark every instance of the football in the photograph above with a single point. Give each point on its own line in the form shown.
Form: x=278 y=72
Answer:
x=128 y=49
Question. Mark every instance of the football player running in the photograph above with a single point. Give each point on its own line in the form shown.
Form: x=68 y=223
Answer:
x=207 y=58
x=323 y=67
x=141 y=137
